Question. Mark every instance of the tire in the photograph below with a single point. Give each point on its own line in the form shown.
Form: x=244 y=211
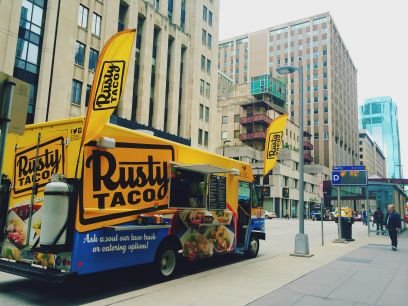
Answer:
x=167 y=262
x=253 y=247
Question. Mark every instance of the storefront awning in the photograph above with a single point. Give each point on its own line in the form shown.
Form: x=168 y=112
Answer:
x=203 y=168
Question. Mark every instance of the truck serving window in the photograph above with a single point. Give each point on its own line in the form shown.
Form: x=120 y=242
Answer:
x=187 y=189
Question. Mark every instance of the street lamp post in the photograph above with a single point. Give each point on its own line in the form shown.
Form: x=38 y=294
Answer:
x=223 y=146
x=301 y=240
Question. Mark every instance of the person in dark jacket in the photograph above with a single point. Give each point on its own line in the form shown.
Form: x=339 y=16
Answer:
x=393 y=224
x=379 y=219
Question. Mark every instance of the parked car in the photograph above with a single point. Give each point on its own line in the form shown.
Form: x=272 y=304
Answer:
x=358 y=217
x=315 y=215
x=269 y=215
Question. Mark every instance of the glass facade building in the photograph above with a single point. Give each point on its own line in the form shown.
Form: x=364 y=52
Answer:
x=29 y=44
x=379 y=116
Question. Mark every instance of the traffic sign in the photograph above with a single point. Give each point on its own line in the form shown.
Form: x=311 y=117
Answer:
x=349 y=176
x=349 y=168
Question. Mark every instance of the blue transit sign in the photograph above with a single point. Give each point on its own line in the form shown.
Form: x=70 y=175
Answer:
x=349 y=176
x=349 y=168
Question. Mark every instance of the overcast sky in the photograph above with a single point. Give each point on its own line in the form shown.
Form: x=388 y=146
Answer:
x=374 y=31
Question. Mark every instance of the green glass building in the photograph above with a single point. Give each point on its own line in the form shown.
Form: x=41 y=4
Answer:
x=379 y=116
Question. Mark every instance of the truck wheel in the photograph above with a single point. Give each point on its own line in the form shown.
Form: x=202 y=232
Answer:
x=253 y=247
x=167 y=261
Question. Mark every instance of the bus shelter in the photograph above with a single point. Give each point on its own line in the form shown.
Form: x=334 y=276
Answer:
x=371 y=197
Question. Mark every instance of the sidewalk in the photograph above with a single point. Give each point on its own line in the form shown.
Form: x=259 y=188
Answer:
x=246 y=281
x=370 y=275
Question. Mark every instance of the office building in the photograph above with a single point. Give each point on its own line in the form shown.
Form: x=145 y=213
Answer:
x=330 y=80
x=246 y=110
x=54 y=45
x=379 y=116
x=372 y=156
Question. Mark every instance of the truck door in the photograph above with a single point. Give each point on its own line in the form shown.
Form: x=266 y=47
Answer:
x=244 y=212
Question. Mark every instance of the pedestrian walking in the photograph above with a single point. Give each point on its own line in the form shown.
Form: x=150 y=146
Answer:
x=365 y=217
x=287 y=215
x=379 y=220
x=393 y=224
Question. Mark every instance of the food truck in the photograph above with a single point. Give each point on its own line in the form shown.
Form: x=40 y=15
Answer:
x=125 y=199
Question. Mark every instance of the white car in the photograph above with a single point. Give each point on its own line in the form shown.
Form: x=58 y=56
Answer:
x=269 y=215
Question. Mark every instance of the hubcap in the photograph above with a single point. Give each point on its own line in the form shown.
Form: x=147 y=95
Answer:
x=254 y=246
x=168 y=262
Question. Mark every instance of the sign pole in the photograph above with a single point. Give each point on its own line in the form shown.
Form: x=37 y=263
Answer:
x=321 y=219
x=339 y=210
x=368 y=205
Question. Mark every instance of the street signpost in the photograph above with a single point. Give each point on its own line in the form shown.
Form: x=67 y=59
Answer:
x=347 y=176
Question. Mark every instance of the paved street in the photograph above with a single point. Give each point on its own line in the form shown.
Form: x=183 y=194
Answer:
x=214 y=282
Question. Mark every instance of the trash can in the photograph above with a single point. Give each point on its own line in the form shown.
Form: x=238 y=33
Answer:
x=347 y=228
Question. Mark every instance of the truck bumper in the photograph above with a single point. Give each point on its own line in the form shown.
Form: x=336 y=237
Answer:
x=29 y=271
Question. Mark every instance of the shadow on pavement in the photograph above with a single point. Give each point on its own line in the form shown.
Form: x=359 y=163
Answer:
x=91 y=288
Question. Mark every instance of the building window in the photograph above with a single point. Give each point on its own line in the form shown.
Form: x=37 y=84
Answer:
x=170 y=8
x=76 y=92
x=183 y=15
x=156 y=5
x=237 y=118
x=88 y=94
x=208 y=67
x=202 y=87
x=236 y=134
x=93 y=59
x=123 y=10
x=204 y=37
x=224 y=135
x=210 y=18
x=202 y=63
x=206 y=139
x=79 y=53
x=201 y=112
x=207 y=90
x=200 y=136
x=96 y=24
x=316 y=136
x=207 y=114
x=83 y=16
x=224 y=119
x=205 y=13
x=209 y=41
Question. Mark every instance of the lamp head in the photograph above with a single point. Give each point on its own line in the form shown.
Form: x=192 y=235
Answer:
x=282 y=70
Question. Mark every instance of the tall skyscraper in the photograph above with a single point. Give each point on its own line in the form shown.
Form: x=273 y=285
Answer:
x=330 y=86
x=379 y=116
x=54 y=45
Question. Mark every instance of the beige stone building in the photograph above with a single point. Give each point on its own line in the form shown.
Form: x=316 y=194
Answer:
x=245 y=115
x=172 y=81
x=330 y=80
x=372 y=156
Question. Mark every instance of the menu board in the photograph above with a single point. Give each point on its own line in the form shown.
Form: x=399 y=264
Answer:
x=217 y=193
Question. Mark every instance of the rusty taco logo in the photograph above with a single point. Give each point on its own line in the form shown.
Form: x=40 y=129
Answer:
x=110 y=83
x=50 y=160
x=130 y=179
x=274 y=144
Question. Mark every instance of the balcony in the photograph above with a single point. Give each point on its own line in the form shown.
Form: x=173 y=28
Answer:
x=252 y=136
x=307 y=145
x=308 y=158
x=260 y=118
